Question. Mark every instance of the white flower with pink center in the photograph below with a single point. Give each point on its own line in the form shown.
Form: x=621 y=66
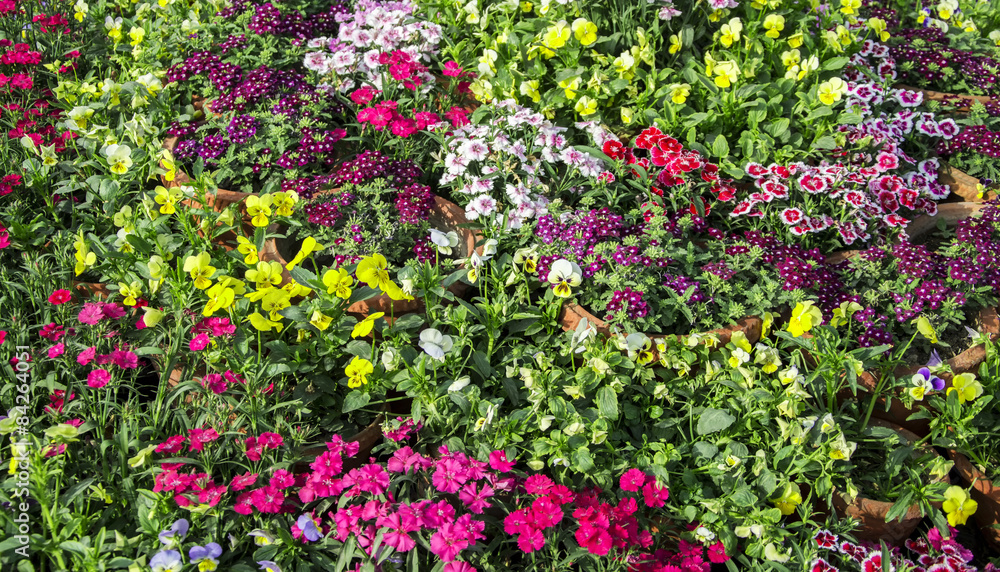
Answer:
x=481 y=206
x=791 y=216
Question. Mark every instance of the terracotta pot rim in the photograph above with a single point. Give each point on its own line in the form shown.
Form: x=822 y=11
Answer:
x=750 y=325
x=969 y=473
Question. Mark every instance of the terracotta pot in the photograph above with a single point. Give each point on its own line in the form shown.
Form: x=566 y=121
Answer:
x=91 y=290
x=871 y=513
x=985 y=493
x=962 y=184
x=951 y=213
x=446 y=216
x=962 y=102
x=571 y=314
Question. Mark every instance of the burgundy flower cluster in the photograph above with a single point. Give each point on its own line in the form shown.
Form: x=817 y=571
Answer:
x=269 y=20
x=975 y=138
x=926 y=64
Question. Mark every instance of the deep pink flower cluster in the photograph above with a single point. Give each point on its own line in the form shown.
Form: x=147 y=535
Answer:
x=404 y=430
x=215 y=327
x=218 y=382
x=386 y=114
x=256 y=445
x=94 y=312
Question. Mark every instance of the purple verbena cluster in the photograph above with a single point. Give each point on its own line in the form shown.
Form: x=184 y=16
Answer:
x=927 y=64
x=629 y=300
x=327 y=212
x=680 y=285
x=268 y=20
x=584 y=231
x=414 y=203
x=975 y=138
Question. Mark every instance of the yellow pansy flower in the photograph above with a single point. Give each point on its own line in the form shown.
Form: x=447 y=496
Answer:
x=220 y=296
x=966 y=386
x=529 y=88
x=130 y=292
x=261 y=323
x=274 y=301
x=774 y=24
x=878 y=26
x=259 y=207
x=570 y=85
x=309 y=246
x=338 y=282
x=726 y=73
x=373 y=271
x=791 y=58
x=730 y=33
x=393 y=291
x=831 y=90
x=320 y=320
x=248 y=249
x=679 y=92
x=167 y=198
x=556 y=35
x=364 y=327
x=850 y=7
x=296 y=290
x=358 y=371
x=675 y=44
x=284 y=202
x=790 y=498
x=796 y=40
x=584 y=31
x=586 y=106
x=958 y=505
x=264 y=274
x=200 y=269
x=805 y=315
x=136 y=35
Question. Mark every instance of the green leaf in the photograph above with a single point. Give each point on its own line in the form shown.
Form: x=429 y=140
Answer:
x=713 y=421
x=356 y=400
x=582 y=461
x=705 y=450
x=835 y=63
x=607 y=402
x=777 y=127
x=825 y=142
x=720 y=147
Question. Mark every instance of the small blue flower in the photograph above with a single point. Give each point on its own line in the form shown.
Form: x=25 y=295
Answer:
x=166 y=561
x=308 y=528
x=206 y=557
x=173 y=536
x=936 y=383
x=268 y=566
